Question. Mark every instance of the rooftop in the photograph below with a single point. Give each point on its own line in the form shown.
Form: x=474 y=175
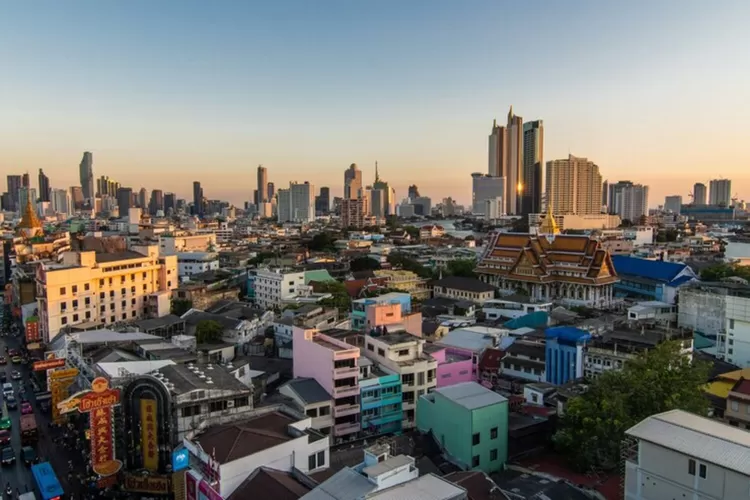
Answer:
x=461 y=283
x=273 y=483
x=427 y=487
x=104 y=336
x=195 y=316
x=653 y=269
x=108 y=257
x=190 y=377
x=121 y=369
x=700 y=437
x=471 y=395
x=309 y=390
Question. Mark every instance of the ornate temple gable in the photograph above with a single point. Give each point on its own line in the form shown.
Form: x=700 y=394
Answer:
x=526 y=265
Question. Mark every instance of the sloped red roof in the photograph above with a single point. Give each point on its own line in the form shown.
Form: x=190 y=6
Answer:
x=741 y=387
x=490 y=359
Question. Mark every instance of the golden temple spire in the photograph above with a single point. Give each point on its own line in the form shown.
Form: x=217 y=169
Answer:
x=548 y=225
x=29 y=220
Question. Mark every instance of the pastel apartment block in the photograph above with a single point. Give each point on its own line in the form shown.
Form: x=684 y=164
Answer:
x=359 y=308
x=453 y=366
x=380 y=399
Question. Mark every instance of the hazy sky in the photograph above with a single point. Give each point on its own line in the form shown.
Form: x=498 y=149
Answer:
x=167 y=92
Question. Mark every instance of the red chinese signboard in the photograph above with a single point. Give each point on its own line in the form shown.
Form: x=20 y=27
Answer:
x=48 y=364
x=95 y=400
x=98 y=404
x=32 y=330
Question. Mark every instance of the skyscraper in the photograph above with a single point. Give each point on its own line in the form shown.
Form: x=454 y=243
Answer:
x=673 y=204
x=323 y=201
x=389 y=194
x=262 y=185
x=43 y=186
x=296 y=204
x=124 y=200
x=61 y=202
x=614 y=201
x=170 y=201
x=699 y=193
x=413 y=192
x=25 y=181
x=720 y=192
x=76 y=196
x=506 y=149
x=157 y=201
x=86 y=171
x=634 y=203
x=605 y=195
x=271 y=191
x=533 y=164
x=352 y=182
x=197 y=198
x=574 y=186
x=14 y=184
x=498 y=151
x=143 y=200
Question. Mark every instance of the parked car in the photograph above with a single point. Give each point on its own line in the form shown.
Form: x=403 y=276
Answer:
x=10 y=402
x=8 y=455
x=4 y=437
x=3 y=360
x=26 y=408
x=7 y=388
x=28 y=455
x=15 y=375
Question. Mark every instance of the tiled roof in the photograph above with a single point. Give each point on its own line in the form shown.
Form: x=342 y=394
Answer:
x=653 y=269
x=741 y=387
x=490 y=359
x=461 y=283
x=274 y=484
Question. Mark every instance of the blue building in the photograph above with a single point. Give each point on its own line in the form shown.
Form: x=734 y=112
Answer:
x=359 y=307
x=380 y=400
x=564 y=353
x=645 y=279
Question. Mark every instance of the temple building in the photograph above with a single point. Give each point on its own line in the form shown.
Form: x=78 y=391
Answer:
x=30 y=225
x=570 y=269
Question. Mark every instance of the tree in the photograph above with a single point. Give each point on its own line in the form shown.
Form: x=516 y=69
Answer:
x=340 y=299
x=322 y=242
x=412 y=231
x=656 y=381
x=462 y=267
x=520 y=225
x=180 y=306
x=208 y=331
x=718 y=272
x=364 y=264
x=401 y=261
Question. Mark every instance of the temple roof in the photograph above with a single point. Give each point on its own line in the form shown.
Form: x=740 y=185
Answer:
x=29 y=220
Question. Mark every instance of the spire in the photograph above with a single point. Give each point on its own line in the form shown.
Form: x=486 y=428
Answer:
x=549 y=225
x=29 y=220
x=377 y=176
x=510 y=113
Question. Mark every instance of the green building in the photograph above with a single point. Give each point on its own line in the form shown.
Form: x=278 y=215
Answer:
x=470 y=422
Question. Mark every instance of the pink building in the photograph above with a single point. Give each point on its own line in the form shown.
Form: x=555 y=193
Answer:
x=454 y=366
x=390 y=316
x=334 y=364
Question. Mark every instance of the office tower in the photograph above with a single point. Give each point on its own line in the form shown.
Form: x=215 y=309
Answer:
x=498 y=151
x=605 y=195
x=422 y=205
x=377 y=202
x=413 y=191
x=483 y=188
x=25 y=181
x=262 y=185
x=284 y=205
x=389 y=194
x=634 y=203
x=26 y=195
x=720 y=192
x=323 y=201
x=86 y=171
x=699 y=193
x=506 y=148
x=157 y=202
x=14 y=184
x=256 y=199
x=197 y=198
x=673 y=204
x=107 y=186
x=271 y=191
x=43 y=186
x=6 y=203
x=352 y=213
x=143 y=199
x=124 y=200
x=296 y=204
x=573 y=186
x=614 y=201
x=61 y=201
x=533 y=164
x=169 y=203
x=352 y=181
x=76 y=196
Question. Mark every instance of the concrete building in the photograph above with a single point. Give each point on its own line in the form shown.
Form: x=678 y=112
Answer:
x=86 y=175
x=313 y=400
x=699 y=193
x=564 y=346
x=61 y=201
x=352 y=213
x=102 y=288
x=634 y=203
x=380 y=399
x=578 y=222
x=513 y=306
x=274 y=286
x=359 y=314
x=457 y=287
x=533 y=167
x=506 y=149
x=720 y=192
x=262 y=185
x=614 y=197
x=645 y=279
x=172 y=244
x=484 y=188
x=471 y=424
x=525 y=360
x=189 y=263
x=352 y=182
x=673 y=204
x=737 y=413
x=677 y=454
x=296 y=204
x=574 y=186
x=334 y=365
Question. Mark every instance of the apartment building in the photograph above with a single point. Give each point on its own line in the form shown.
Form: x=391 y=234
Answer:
x=334 y=365
x=189 y=263
x=381 y=400
x=677 y=454
x=101 y=288
x=273 y=286
x=403 y=354
x=361 y=313
x=171 y=244
x=313 y=400
x=737 y=413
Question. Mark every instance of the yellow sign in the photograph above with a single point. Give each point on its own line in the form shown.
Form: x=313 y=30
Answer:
x=178 y=485
x=149 y=442
x=59 y=390
x=63 y=374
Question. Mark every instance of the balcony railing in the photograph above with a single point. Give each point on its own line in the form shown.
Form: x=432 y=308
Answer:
x=342 y=411
x=342 y=429
x=345 y=391
x=345 y=372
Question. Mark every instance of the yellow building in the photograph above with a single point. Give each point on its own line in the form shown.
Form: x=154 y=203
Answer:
x=404 y=281
x=89 y=288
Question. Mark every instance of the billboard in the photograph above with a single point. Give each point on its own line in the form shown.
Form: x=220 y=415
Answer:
x=180 y=459
x=149 y=442
x=48 y=364
x=32 y=329
x=156 y=485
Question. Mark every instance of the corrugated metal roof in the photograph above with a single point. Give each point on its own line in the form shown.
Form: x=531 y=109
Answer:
x=428 y=487
x=471 y=395
x=344 y=485
x=703 y=438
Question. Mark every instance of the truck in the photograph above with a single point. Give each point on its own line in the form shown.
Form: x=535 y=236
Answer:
x=28 y=429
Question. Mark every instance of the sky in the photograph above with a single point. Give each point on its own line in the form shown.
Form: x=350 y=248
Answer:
x=165 y=93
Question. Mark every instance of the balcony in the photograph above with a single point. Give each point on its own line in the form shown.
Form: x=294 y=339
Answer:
x=345 y=391
x=343 y=429
x=339 y=373
x=342 y=411
x=387 y=419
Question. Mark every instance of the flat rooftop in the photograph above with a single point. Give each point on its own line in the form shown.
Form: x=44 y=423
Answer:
x=471 y=395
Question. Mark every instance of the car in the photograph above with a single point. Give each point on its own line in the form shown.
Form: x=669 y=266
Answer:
x=26 y=408
x=15 y=375
x=8 y=455
x=4 y=437
x=7 y=388
x=3 y=377
x=3 y=360
x=16 y=360
x=10 y=402
x=28 y=455
x=5 y=424
x=14 y=352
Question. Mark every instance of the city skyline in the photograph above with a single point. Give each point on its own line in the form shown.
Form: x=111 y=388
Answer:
x=418 y=101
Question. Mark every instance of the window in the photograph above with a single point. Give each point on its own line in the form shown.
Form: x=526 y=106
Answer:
x=312 y=412
x=132 y=302
x=62 y=291
x=702 y=471
x=122 y=291
x=132 y=289
x=475 y=461
x=493 y=433
x=64 y=320
x=735 y=406
x=691 y=467
x=493 y=454
x=75 y=318
x=326 y=410
x=102 y=295
x=370 y=347
x=217 y=406
x=88 y=314
x=189 y=411
x=381 y=352
x=731 y=324
x=75 y=304
x=731 y=341
x=86 y=287
x=87 y=301
x=475 y=439
x=111 y=293
x=101 y=282
x=403 y=352
x=75 y=289
x=144 y=276
x=238 y=402
x=124 y=316
x=63 y=307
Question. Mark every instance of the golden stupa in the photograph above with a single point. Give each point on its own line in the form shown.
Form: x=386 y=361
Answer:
x=30 y=225
x=548 y=225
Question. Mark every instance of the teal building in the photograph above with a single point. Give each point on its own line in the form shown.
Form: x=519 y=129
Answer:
x=380 y=401
x=470 y=422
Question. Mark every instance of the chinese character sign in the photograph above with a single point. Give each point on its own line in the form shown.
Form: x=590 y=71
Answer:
x=149 y=442
x=102 y=449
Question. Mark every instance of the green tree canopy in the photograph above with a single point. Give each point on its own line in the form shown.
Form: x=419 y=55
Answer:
x=594 y=423
x=180 y=306
x=208 y=331
x=340 y=299
x=364 y=264
x=718 y=272
x=462 y=267
x=322 y=242
x=398 y=260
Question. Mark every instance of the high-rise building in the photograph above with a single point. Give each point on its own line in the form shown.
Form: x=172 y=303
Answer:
x=389 y=194
x=498 y=151
x=377 y=202
x=26 y=194
x=143 y=199
x=673 y=204
x=614 y=202
x=14 y=184
x=197 y=198
x=296 y=204
x=124 y=200
x=86 y=171
x=157 y=201
x=413 y=191
x=76 y=196
x=107 y=186
x=699 y=193
x=605 y=195
x=352 y=181
x=43 y=186
x=574 y=186
x=25 y=181
x=483 y=188
x=262 y=185
x=271 y=191
x=352 y=213
x=720 y=192
x=506 y=149
x=170 y=203
x=323 y=201
x=533 y=164
x=61 y=201
x=634 y=202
